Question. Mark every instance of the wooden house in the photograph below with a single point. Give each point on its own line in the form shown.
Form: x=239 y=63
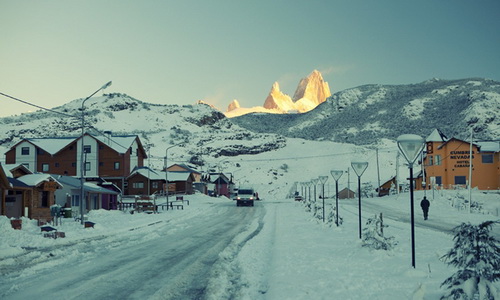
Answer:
x=145 y=181
x=109 y=157
x=185 y=168
x=346 y=194
x=182 y=182
x=32 y=196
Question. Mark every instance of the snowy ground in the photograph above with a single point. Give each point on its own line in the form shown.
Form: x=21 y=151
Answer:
x=281 y=252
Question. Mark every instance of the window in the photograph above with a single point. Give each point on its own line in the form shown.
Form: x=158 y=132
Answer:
x=75 y=200
x=27 y=166
x=39 y=151
x=87 y=149
x=155 y=184
x=431 y=160
x=44 y=199
x=25 y=151
x=73 y=164
x=439 y=181
x=101 y=164
x=437 y=160
x=87 y=166
x=138 y=185
x=460 y=180
x=45 y=167
x=56 y=165
x=117 y=165
x=487 y=158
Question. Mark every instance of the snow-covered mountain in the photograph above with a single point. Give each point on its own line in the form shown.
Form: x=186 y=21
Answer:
x=366 y=114
x=310 y=92
x=203 y=130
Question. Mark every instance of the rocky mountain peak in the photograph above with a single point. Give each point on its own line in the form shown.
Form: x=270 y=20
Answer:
x=233 y=105
x=313 y=88
x=276 y=100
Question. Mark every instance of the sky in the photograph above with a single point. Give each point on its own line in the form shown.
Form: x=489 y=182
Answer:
x=179 y=52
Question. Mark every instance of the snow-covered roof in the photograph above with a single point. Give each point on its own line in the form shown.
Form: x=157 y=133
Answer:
x=178 y=176
x=436 y=136
x=11 y=167
x=74 y=183
x=118 y=143
x=489 y=146
x=51 y=145
x=160 y=175
x=37 y=179
x=149 y=173
x=186 y=167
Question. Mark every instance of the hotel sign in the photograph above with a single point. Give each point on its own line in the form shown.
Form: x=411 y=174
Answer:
x=462 y=158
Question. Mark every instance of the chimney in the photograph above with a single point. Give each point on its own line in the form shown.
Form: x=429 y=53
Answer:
x=107 y=134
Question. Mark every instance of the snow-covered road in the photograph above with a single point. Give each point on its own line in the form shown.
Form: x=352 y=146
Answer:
x=214 y=250
x=148 y=262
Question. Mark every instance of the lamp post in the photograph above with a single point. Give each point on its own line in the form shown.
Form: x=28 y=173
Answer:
x=359 y=167
x=149 y=167
x=323 y=180
x=166 y=166
x=336 y=174
x=82 y=150
x=410 y=146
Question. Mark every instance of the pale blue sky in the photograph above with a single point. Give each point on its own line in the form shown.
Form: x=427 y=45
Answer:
x=178 y=52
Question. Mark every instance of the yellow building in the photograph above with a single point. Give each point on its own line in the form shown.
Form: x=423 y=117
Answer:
x=447 y=161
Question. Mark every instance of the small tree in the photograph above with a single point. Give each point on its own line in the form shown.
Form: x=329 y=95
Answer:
x=373 y=235
x=331 y=218
x=477 y=256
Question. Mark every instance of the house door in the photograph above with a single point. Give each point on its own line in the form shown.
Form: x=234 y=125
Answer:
x=13 y=206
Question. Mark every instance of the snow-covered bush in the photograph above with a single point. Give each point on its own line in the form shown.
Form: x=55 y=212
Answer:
x=373 y=235
x=476 y=254
x=331 y=218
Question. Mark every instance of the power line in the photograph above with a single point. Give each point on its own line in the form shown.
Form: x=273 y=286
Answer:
x=37 y=106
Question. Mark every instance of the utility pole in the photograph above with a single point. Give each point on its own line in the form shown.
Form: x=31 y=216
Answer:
x=470 y=170
x=378 y=173
x=397 y=173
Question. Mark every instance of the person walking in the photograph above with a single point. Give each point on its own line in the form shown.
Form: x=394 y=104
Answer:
x=425 y=207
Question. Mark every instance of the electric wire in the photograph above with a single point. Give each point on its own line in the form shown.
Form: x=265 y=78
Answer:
x=37 y=106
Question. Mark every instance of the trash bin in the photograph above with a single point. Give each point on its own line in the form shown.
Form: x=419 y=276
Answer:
x=67 y=212
x=16 y=224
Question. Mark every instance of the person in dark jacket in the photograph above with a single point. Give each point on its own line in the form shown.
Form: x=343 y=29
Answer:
x=425 y=207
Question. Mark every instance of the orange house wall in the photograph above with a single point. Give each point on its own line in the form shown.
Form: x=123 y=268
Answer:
x=484 y=176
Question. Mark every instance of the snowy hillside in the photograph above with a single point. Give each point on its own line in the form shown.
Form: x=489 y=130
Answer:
x=202 y=129
x=365 y=114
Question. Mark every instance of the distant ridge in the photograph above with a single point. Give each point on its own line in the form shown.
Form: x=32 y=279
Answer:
x=369 y=113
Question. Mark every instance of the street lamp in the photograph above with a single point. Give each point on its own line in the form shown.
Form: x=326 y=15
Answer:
x=82 y=149
x=336 y=174
x=166 y=166
x=323 y=180
x=411 y=145
x=359 y=167
x=148 y=146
